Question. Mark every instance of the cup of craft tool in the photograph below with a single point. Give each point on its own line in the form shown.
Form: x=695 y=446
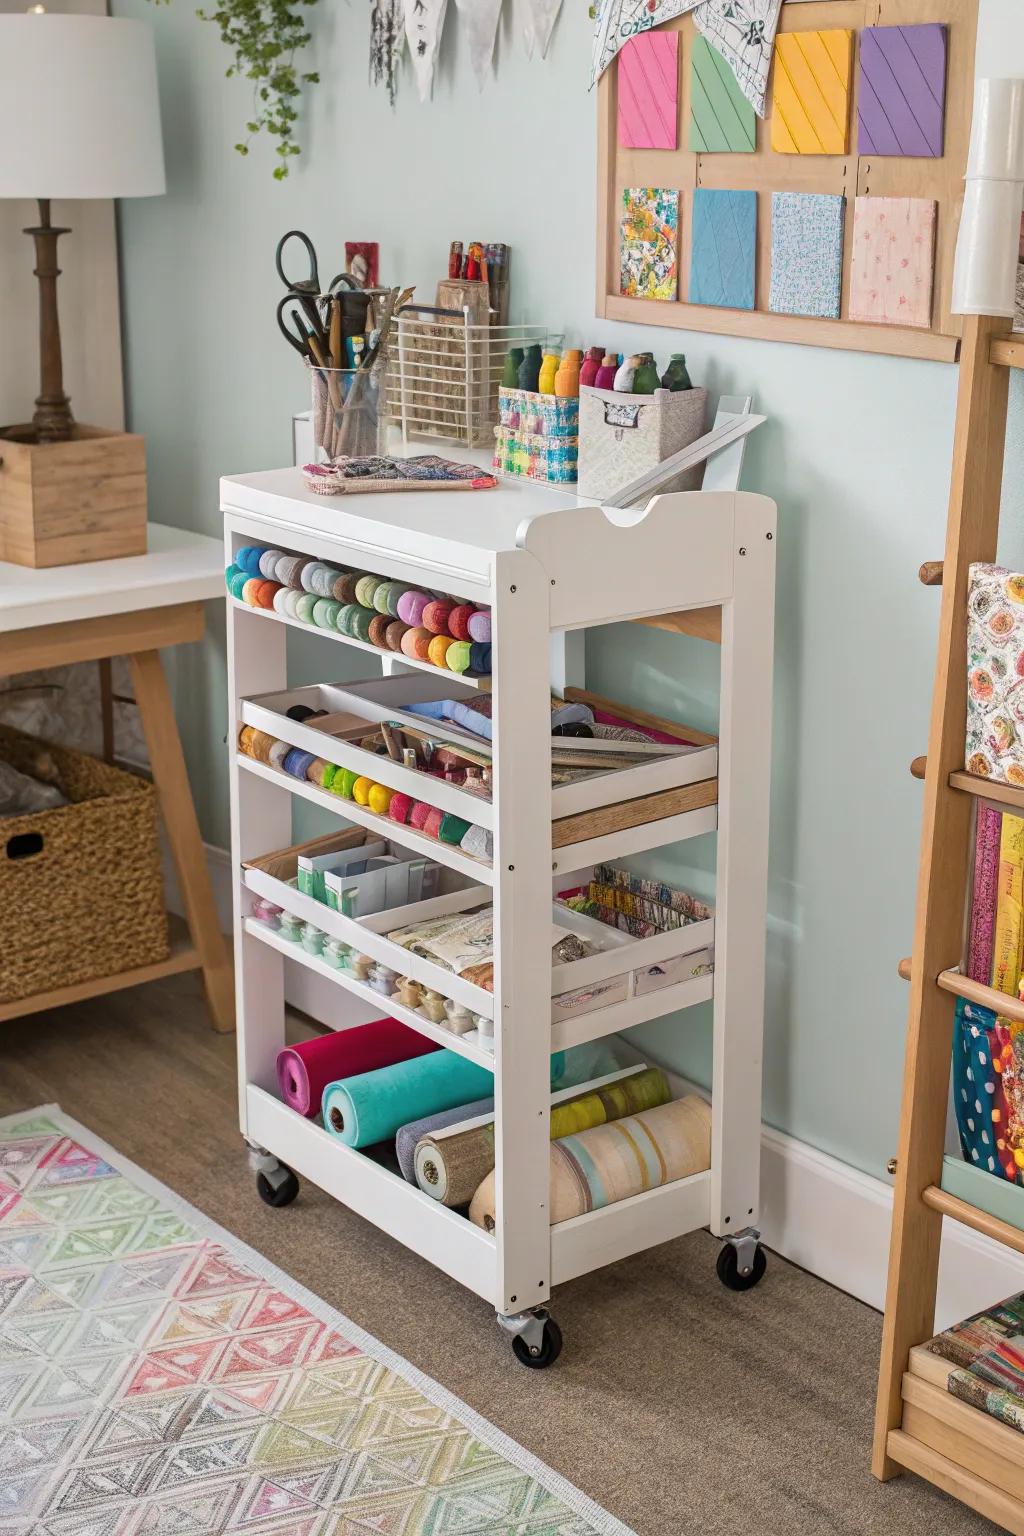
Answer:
x=348 y=408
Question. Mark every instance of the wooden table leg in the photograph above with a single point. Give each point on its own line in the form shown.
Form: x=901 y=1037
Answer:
x=171 y=778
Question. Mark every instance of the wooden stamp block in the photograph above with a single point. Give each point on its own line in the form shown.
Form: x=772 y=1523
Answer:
x=66 y=503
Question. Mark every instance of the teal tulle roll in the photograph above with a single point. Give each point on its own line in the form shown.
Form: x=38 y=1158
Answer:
x=373 y=1106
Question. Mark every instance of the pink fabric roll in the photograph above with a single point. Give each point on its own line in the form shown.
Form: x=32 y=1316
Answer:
x=303 y=1071
x=410 y=607
x=479 y=625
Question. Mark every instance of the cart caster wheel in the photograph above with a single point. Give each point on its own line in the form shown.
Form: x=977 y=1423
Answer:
x=728 y=1267
x=279 y=1187
x=546 y=1354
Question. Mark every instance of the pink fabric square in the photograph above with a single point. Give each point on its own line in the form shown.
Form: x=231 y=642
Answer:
x=893 y=261
x=649 y=91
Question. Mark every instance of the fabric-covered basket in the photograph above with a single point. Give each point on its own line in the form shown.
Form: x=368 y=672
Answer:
x=81 y=890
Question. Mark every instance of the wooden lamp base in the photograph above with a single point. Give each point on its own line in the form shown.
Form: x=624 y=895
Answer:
x=62 y=503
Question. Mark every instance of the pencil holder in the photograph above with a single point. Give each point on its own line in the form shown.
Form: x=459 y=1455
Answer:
x=347 y=412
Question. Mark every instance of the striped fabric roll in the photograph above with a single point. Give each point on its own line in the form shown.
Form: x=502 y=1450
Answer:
x=611 y=1162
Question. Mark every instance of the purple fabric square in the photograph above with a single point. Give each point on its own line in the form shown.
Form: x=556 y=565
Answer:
x=902 y=96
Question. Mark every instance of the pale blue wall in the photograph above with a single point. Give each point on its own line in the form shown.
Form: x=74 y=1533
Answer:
x=856 y=453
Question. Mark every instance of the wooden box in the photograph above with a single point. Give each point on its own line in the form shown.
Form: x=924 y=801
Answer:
x=66 y=503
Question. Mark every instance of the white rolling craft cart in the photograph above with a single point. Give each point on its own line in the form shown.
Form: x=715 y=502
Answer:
x=549 y=566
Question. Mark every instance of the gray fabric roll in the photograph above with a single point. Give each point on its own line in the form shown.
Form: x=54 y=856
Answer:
x=409 y=1135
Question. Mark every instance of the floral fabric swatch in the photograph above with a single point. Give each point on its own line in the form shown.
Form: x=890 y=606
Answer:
x=650 y=231
x=807 y=254
x=893 y=260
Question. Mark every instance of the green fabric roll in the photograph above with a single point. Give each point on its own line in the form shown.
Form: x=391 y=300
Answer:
x=371 y=1107
x=359 y=624
x=451 y=1168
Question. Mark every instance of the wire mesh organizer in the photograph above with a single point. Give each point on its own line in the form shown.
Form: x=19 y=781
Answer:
x=444 y=372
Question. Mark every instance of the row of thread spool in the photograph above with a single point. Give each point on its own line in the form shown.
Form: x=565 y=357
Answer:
x=545 y=373
x=391 y=615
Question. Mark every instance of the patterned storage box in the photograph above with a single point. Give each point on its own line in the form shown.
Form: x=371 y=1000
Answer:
x=622 y=436
x=995 y=674
x=552 y=459
x=521 y=410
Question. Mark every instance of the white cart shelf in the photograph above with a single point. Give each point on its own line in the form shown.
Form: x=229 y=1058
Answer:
x=549 y=566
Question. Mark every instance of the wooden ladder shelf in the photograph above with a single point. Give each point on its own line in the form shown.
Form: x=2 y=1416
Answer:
x=933 y=971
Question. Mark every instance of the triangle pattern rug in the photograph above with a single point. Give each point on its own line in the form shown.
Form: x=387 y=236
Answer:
x=157 y=1378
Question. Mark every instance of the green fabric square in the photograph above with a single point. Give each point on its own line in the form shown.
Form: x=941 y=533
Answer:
x=721 y=118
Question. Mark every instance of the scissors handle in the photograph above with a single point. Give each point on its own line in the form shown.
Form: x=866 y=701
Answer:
x=294 y=334
x=310 y=284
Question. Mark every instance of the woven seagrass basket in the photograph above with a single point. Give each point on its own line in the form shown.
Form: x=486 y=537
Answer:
x=81 y=892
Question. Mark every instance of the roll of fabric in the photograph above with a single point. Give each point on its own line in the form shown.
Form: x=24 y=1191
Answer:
x=611 y=1162
x=409 y=1136
x=371 y=1106
x=451 y=1168
x=303 y=1071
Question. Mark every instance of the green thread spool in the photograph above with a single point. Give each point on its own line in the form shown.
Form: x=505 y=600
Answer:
x=456 y=657
x=343 y=620
x=366 y=586
x=304 y=607
x=325 y=611
x=360 y=624
x=452 y=829
x=344 y=783
x=510 y=372
x=236 y=585
x=330 y=774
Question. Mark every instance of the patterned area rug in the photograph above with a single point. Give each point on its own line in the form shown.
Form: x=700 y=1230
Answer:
x=158 y=1378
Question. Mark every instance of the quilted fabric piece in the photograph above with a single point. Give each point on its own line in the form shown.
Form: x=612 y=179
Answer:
x=901 y=95
x=650 y=227
x=811 y=98
x=721 y=118
x=724 y=244
x=649 y=91
x=807 y=254
x=159 y=1379
x=893 y=260
x=995 y=674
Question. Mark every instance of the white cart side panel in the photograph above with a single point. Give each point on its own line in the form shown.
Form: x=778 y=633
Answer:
x=615 y=1231
x=609 y=564
x=522 y=901
x=260 y=817
x=447 y=1240
x=744 y=767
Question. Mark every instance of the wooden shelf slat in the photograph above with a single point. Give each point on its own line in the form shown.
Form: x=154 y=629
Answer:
x=972 y=1216
x=957 y=1481
x=988 y=789
x=702 y=623
x=986 y=997
x=1008 y=350
x=183 y=957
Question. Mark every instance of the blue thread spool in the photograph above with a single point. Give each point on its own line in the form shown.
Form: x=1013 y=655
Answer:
x=322 y=580
x=297 y=762
x=480 y=658
x=251 y=560
x=308 y=572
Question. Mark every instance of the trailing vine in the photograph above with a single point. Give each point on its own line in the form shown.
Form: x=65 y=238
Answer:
x=264 y=37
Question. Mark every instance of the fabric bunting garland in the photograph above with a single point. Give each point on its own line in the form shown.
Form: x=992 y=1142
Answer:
x=743 y=32
x=424 y=21
x=481 y=20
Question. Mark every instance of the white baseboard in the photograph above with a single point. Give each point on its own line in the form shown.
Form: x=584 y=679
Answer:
x=816 y=1211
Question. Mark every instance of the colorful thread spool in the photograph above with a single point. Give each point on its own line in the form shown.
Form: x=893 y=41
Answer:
x=416 y=643
x=361 y=790
x=377 y=632
x=312 y=939
x=400 y=806
x=297 y=762
x=316 y=770
x=435 y=615
x=359 y=624
x=411 y=605
x=366 y=586
x=345 y=586
x=280 y=600
x=278 y=752
x=344 y=781
x=394 y=634
x=265 y=594
x=261 y=746
x=291 y=602
x=418 y=814
x=308 y=572
x=480 y=659
x=325 y=611
x=478 y=843
x=245 y=737
x=323 y=578
x=248 y=559
x=457 y=656
x=437 y=650
x=385 y=599
x=452 y=829
x=379 y=799
x=237 y=585
x=287 y=567
x=268 y=563
x=343 y=621
x=331 y=772
x=479 y=626
x=458 y=621
x=249 y=590
x=432 y=821
x=304 y=607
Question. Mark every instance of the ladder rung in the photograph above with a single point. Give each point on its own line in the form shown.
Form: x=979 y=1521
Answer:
x=987 y=789
x=903 y=969
x=919 y=767
x=930 y=573
x=986 y=997
x=971 y=1216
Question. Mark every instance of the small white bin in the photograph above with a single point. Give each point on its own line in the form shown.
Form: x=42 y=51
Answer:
x=622 y=436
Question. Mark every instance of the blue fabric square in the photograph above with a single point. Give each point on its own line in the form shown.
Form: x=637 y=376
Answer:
x=807 y=254
x=724 y=246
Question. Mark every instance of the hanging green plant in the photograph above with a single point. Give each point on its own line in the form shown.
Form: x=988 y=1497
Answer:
x=264 y=37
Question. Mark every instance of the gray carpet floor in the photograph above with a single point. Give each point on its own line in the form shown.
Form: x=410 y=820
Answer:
x=676 y=1404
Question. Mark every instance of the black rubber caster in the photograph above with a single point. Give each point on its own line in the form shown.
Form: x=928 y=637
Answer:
x=728 y=1267
x=282 y=1191
x=549 y=1351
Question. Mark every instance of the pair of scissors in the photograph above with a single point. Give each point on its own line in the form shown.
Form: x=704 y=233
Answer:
x=307 y=293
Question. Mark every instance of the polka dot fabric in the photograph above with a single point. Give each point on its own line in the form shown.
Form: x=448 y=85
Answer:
x=988 y=1090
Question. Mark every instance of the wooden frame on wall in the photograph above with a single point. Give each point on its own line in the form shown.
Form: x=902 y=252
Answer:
x=765 y=171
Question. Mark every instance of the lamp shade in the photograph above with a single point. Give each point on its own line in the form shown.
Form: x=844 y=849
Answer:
x=79 y=110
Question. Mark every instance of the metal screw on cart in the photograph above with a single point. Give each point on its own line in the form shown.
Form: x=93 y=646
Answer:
x=511 y=589
x=769 y=537
x=743 y=549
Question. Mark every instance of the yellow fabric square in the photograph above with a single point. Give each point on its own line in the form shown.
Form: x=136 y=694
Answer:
x=811 y=98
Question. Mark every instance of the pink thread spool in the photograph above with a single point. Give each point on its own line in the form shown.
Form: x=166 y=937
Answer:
x=435 y=615
x=400 y=807
x=410 y=607
x=419 y=813
x=479 y=626
x=432 y=822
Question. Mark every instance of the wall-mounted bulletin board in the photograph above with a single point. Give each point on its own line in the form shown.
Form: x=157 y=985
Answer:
x=833 y=220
